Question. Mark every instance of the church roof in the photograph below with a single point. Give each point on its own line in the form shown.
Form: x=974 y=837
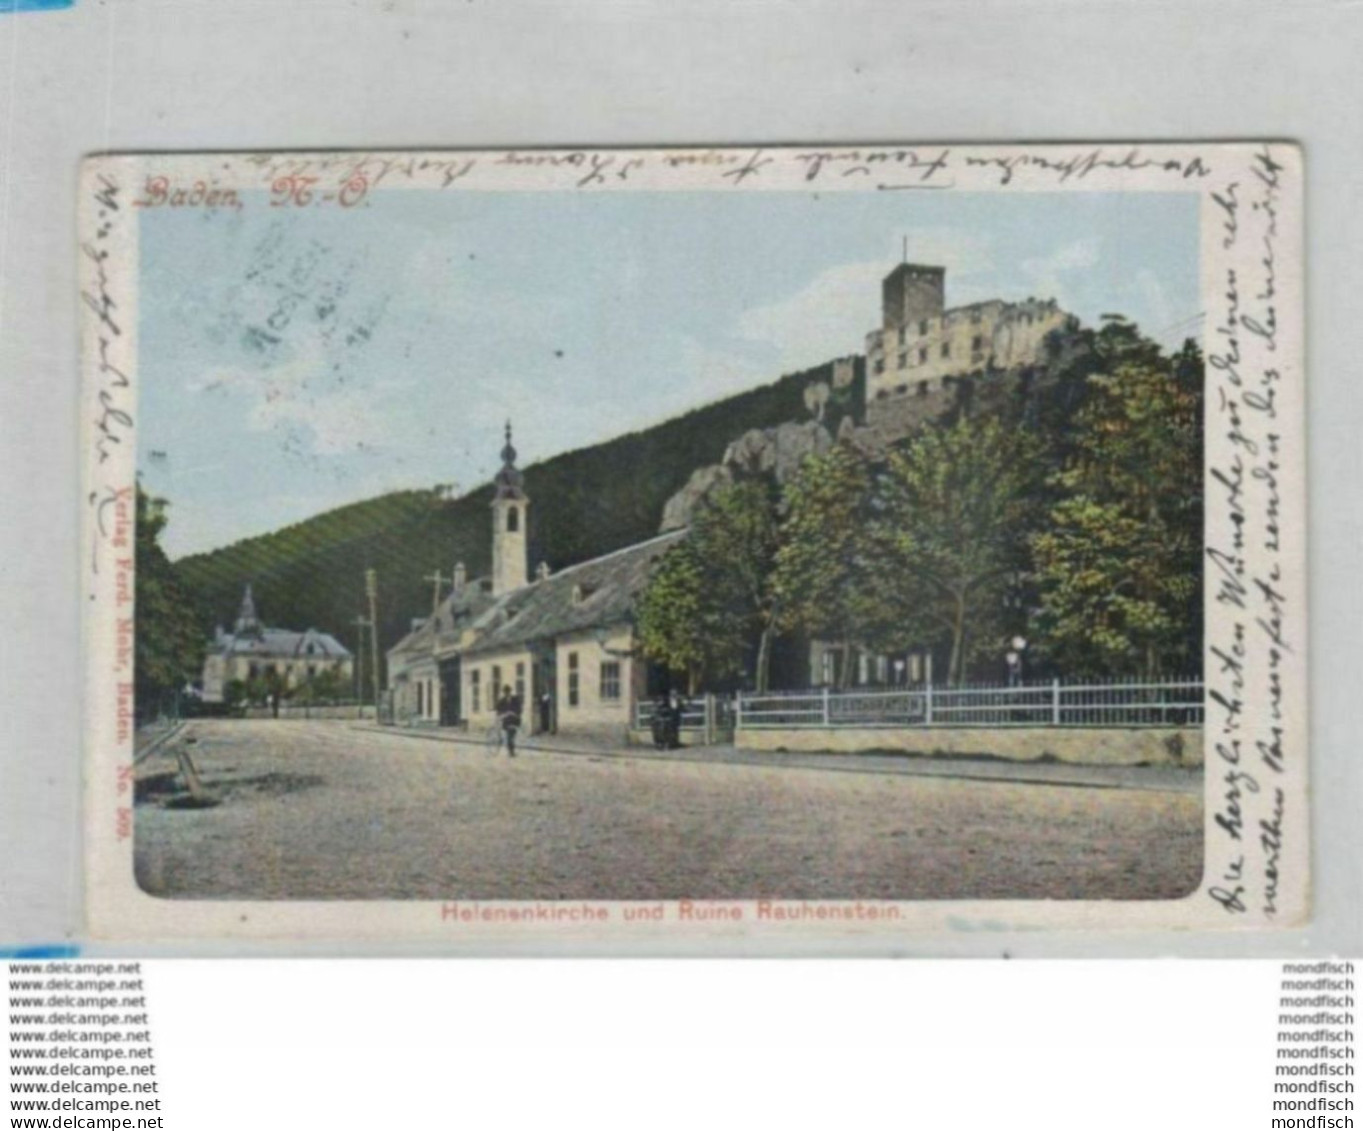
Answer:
x=591 y=594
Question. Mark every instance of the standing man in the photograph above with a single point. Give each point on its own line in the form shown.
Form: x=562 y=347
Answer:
x=509 y=712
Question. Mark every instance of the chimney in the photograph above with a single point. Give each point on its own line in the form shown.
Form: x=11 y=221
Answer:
x=460 y=576
x=542 y=573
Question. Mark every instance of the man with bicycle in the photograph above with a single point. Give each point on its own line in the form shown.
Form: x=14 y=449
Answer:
x=509 y=714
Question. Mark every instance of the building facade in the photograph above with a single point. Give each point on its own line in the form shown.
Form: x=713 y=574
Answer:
x=563 y=643
x=253 y=650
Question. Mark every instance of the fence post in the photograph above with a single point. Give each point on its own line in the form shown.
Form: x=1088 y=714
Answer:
x=709 y=718
x=826 y=716
x=738 y=714
x=927 y=703
x=1055 y=702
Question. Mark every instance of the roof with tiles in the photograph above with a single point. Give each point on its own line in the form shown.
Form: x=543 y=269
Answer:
x=589 y=595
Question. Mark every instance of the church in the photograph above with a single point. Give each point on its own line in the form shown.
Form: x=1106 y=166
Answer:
x=565 y=642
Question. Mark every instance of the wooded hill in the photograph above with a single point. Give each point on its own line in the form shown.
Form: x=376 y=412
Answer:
x=584 y=503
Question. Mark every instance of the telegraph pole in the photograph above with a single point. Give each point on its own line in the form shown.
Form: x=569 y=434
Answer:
x=371 y=589
x=360 y=623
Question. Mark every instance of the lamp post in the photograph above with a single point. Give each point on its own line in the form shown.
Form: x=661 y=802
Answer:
x=1014 y=658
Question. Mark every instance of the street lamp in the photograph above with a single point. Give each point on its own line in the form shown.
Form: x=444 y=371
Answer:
x=1014 y=658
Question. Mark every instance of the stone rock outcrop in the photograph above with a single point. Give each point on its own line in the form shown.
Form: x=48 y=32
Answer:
x=777 y=452
x=678 y=509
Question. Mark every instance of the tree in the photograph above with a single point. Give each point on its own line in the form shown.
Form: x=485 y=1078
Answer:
x=329 y=685
x=711 y=596
x=824 y=566
x=169 y=646
x=678 y=625
x=957 y=506
x=1119 y=562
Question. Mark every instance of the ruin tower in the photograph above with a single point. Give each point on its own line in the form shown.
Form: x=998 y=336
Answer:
x=510 y=509
x=913 y=293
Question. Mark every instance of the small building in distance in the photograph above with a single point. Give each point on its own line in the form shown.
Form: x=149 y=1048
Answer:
x=921 y=348
x=253 y=650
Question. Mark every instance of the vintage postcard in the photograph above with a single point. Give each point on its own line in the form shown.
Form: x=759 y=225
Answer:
x=752 y=545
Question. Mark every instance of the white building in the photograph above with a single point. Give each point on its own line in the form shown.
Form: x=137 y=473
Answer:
x=254 y=651
x=568 y=636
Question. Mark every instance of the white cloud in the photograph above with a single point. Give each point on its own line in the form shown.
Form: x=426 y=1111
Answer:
x=1047 y=275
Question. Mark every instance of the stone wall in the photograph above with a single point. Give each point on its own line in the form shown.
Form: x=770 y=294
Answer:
x=1101 y=746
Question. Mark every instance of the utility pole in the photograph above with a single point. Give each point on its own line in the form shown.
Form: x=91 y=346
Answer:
x=360 y=623
x=371 y=589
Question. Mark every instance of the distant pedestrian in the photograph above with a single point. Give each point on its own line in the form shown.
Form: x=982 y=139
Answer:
x=509 y=714
x=662 y=711
x=676 y=708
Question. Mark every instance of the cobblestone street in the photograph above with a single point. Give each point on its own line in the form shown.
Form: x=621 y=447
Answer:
x=324 y=810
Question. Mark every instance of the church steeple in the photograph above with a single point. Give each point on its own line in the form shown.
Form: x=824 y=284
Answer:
x=510 y=506
x=247 y=622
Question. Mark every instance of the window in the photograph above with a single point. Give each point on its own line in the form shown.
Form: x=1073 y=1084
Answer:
x=977 y=343
x=255 y=671
x=513 y=519
x=475 y=688
x=610 y=680
x=882 y=394
x=923 y=356
x=520 y=682
x=880 y=365
x=922 y=388
x=574 y=686
x=923 y=326
x=901 y=389
x=903 y=361
x=946 y=349
x=420 y=700
x=495 y=691
x=902 y=332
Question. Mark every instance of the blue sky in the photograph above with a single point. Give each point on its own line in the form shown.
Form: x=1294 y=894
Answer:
x=293 y=363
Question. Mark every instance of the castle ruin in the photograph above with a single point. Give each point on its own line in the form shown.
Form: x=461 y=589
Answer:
x=921 y=349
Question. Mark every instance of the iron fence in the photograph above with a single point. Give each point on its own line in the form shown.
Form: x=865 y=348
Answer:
x=692 y=718
x=1170 y=702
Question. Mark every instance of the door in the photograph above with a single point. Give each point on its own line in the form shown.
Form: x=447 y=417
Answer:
x=451 y=706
